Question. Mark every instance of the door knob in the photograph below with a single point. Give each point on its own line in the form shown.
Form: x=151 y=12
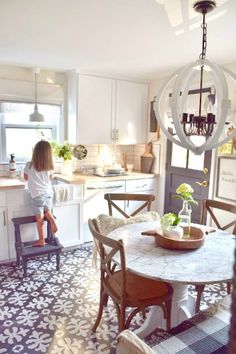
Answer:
x=203 y=183
x=205 y=170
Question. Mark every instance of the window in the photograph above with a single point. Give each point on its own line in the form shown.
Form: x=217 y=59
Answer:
x=19 y=135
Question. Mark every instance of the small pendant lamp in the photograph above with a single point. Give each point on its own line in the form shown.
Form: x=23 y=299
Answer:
x=36 y=116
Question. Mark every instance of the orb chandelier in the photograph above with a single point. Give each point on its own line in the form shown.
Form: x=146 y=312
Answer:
x=208 y=120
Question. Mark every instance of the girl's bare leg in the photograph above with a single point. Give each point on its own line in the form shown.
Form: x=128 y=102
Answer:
x=50 y=217
x=39 y=221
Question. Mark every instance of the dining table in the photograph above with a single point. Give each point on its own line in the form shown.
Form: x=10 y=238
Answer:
x=208 y=264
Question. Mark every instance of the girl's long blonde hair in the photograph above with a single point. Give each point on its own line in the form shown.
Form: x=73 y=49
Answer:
x=42 y=156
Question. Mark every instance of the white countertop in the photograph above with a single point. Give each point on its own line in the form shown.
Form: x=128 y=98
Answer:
x=75 y=178
x=8 y=183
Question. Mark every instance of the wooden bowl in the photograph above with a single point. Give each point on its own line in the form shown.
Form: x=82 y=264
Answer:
x=195 y=240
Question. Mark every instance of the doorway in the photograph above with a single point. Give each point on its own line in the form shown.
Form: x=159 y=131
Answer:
x=183 y=166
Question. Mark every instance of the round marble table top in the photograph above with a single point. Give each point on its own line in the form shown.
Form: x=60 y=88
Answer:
x=213 y=262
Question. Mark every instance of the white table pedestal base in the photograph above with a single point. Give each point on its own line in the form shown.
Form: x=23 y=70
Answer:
x=183 y=307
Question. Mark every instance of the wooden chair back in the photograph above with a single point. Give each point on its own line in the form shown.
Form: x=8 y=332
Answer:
x=125 y=288
x=111 y=198
x=107 y=249
x=211 y=206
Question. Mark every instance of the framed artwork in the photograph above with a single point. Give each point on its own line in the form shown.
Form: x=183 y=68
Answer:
x=226 y=179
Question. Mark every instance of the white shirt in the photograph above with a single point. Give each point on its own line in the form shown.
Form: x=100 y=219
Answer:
x=39 y=182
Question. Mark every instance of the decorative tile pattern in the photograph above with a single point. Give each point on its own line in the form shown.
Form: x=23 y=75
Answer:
x=53 y=312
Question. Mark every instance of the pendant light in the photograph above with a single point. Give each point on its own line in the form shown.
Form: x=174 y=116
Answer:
x=191 y=127
x=36 y=116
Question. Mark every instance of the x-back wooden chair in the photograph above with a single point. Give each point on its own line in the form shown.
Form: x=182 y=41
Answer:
x=125 y=288
x=212 y=206
x=111 y=198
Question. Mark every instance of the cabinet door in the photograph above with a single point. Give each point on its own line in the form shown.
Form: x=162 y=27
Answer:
x=68 y=223
x=4 y=252
x=95 y=109
x=131 y=112
x=95 y=204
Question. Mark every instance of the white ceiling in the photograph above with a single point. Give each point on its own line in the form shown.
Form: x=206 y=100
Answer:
x=126 y=38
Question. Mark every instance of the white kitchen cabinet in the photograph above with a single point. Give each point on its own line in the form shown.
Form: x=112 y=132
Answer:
x=95 y=204
x=68 y=223
x=4 y=243
x=131 y=112
x=4 y=251
x=111 y=111
x=141 y=186
x=96 y=104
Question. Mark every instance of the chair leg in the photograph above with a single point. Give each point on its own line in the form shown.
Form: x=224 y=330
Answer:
x=228 y=288
x=100 y=311
x=106 y=297
x=24 y=265
x=58 y=260
x=168 y=314
x=199 y=289
x=121 y=318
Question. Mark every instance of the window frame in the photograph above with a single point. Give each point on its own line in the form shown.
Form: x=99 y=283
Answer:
x=3 y=126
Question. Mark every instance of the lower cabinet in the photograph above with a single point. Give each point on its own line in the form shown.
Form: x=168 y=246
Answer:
x=68 y=223
x=140 y=186
x=71 y=218
x=95 y=204
x=4 y=251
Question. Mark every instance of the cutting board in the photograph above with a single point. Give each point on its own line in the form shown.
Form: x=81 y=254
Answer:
x=147 y=159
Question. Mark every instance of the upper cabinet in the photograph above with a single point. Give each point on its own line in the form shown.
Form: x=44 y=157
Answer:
x=96 y=109
x=131 y=112
x=111 y=111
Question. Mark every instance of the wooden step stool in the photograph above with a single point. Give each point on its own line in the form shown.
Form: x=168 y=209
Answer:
x=25 y=251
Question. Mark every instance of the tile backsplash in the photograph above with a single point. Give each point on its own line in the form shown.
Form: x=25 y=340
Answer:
x=105 y=155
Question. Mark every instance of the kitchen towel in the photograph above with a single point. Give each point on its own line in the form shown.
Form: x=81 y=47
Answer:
x=62 y=195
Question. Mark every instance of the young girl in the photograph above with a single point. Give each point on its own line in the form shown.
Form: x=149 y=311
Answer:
x=38 y=173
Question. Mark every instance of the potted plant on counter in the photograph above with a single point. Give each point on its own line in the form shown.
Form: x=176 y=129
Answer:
x=64 y=151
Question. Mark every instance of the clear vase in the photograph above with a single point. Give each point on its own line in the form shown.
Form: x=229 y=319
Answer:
x=185 y=218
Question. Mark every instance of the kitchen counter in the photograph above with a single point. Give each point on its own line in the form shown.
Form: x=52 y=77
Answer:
x=8 y=183
x=77 y=178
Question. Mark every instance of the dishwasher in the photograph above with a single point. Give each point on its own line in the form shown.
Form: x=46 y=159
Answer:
x=94 y=202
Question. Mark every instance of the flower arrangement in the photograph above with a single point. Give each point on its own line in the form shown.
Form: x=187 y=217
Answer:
x=184 y=192
x=169 y=219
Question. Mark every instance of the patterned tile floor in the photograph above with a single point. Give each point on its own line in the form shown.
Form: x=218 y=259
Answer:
x=52 y=312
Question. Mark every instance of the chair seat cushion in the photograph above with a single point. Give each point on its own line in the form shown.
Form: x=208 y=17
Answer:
x=140 y=289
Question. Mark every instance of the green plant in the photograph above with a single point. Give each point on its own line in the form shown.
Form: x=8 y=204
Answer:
x=62 y=150
x=184 y=192
x=169 y=219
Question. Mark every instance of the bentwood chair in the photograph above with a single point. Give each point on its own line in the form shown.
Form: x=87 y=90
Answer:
x=144 y=199
x=125 y=288
x=216 y=209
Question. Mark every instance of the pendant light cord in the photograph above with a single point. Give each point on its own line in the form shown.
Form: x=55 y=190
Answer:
x=202 y=56
x=35 y=81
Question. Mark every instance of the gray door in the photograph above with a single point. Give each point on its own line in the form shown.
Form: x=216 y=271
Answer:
x=183 y=166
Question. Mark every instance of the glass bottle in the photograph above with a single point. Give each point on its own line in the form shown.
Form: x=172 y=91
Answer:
x=185 y=218
x=12 y=163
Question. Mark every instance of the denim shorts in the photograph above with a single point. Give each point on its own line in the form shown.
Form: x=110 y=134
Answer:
x=42 y=203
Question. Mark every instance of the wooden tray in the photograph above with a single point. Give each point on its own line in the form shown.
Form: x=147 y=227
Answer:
x=195 y=240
